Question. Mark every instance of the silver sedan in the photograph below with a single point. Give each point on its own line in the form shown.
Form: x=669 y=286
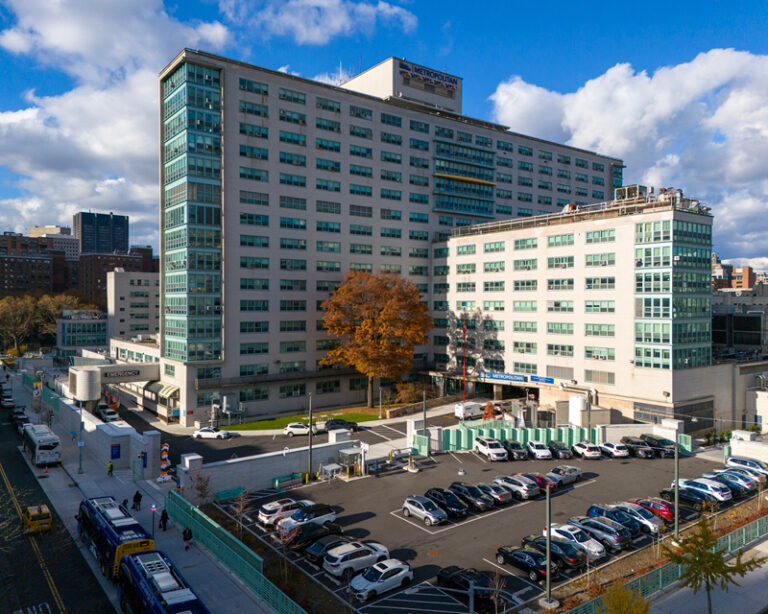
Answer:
x=564 y=475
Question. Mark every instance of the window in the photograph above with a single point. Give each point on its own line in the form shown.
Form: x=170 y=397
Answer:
x=524 y=326
x=360 y=248
x=390 y=156
x=327 y=105
x=361 y=132
x=361 y=112
x=556 y=349
x=324 y=206
x=493 y=286
x=286 y=243
x=254 y=241
x=560 y=284
x=524 y=306
x=254 y=198
x=494 y=267
x=253 y=174
x=287 y=347
x=495 y=246
x=599 y=377
x=465 y=286
x=563 y=159
x=292 y=117
x=419 y=162
x=593 y=260
x=391 y=120
x=360 y=190
x=418 y=252
x=602 y=236
x=596 y=353
x=419 y=144
x=465 y=250
x=392 y=139
x=600 y=330
x=560 y=240
x=255 y=87
x=252 y=219
x=248 y=262
x=287 y=264
x=524 y=347
x=600 y=283
x=391 y=233
x=326 y=145
x=391 y=194
x=327 y=185
x=599 y=306
x=560 y=306
x=361 y=171
x=582 y=163
x=254 y=284
x=293 y=202
x=252 y=305
x=292 y=96
x=559 y=328
x=361 y=211
x=293 y=305
x=391 y=214
x=526 y=243
x=418 y=235
x=418 y=126
x=252 y=108
x=390 y=250
x=293 y=223
x=524 y=367
x=418 y=218
x=254 y=327
x=363 y=152
x=261 y=347
x=359 y=229
x=464 y=137
x=419 y=180
x=418 y=198
x=466 y=269
x=560 y=262
x=418 y=270
x=294 y=180
x=331 y=166
x=465 y=305
x=326 y=285
x=526 y=285
x=332 y=247
x=289 y=391
x=528 y=264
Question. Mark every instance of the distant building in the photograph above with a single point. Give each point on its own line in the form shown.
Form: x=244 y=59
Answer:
x=42 y=231
x=133 y=303
x=93 y=269
x=727 y=276
x=77 y=329
x=29 y=264
x=739 y=322
x=101 y=233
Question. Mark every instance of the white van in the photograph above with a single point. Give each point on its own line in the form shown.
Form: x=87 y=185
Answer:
x=468 y=411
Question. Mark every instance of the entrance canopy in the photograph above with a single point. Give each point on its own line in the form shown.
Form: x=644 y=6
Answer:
x=85 y=382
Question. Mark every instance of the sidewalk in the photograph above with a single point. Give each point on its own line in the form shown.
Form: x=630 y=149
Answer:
x=749 y=598
x=220 y=590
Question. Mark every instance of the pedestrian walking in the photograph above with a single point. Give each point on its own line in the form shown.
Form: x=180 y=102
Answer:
x=137 y=501
x=164 y=520
x=110 y=468
x=187 y=537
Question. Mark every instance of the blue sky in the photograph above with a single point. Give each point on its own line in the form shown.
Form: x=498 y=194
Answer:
x=675 y=89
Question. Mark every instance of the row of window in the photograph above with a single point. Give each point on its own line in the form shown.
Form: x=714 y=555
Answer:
x=590 y=283
x=561 y=240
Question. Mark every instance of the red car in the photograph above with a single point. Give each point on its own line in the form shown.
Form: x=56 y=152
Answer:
x=541 y=481
x=663 y=509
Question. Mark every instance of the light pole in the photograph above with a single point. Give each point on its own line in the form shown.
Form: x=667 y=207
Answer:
x=549 y=603
x=153 y=509
x=309 y=460
x=677 y=491
x=464 y=361
x=80 y=441
x=424 y=410
x=379 y=402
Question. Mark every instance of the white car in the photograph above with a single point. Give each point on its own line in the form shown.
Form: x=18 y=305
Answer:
x=317 y=513
x=211 y=432
x=586 y=450
x=298 y=428
x=109 y=415
x=615 y=450
x=579 y=538
x=346 y=560
x=742 y=480
x=749 y=463
x=271 y=513
x=380 y=578
x=564 y=475
x=490 y=448
x=538 y=450
x=715 y=489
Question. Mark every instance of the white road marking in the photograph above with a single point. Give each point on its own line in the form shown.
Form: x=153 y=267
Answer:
x=456 y=457
x=476 y=455
x=463 y=522
x=384 y=437
x=395 y=430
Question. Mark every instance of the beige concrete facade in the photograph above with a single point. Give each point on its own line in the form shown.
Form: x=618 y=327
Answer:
x=133 y=303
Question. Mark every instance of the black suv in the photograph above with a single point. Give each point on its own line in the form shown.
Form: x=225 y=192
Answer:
x=515 y=450
x=559 y=449
x=564 y=553
x=448 y=502
x=461 y=578
x=691 y=498
x=637 y=447
x=472 y=496
x=664 y=448
x=340 y=423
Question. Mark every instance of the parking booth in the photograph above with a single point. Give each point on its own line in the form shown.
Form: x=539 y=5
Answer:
x=349 y=459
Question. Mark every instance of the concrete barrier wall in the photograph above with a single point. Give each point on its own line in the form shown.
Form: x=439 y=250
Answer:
x=750 y=449
x=253 y=472
x=668 y=428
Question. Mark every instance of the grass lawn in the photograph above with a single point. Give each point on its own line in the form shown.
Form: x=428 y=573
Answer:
x=353 y=414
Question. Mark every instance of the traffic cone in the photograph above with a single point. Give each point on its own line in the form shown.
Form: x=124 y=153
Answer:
x=46 y=471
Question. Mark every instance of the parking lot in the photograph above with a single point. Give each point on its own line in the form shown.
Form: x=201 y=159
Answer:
x=370 y=509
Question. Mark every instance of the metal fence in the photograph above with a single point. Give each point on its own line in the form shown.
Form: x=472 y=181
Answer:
x=662 y=577
x=238 y=558
x=463 y=437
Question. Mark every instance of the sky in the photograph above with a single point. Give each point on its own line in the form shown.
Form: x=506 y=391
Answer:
x=678 y=90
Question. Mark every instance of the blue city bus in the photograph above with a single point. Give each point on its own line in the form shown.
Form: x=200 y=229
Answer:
x=110 y=533
x=148 y=583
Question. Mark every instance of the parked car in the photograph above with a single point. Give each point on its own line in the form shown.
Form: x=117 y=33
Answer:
x=490 y=448
x=19 y=417
x=762 y=478
x=738 y=491
x=499 y=494
x=614 y=450
x=307 y=534
x=380 y=578
x=662 y=447
x=748 y=482
x=560 y=450
x=519 y=486
x=637 y=447
x=461 y=579
x=657 y=506
x=7 y=402
x=346 y=560
x=624 y=519
x=541 y=481
x=592 y=548
x=209 y=432
x=749 y=463
x=317 y=513
x=317 y=550
x=424 y=509
x=532 y=562
x=584 y=449
x=563 y=552
x=271 y=513
x=538 y=450
x=515 y=450
x=448 y=502
x=649 y=523
x=298 y=428
x=690 y=498
x=20 y=426
x=106 y=414
x=337 y=423
x=564 y=475
x=719 y=491
x=472 y=496
x=609 y=533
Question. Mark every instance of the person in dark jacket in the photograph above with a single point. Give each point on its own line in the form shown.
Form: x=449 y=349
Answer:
x=137 y=501
x=187 y=537
x=164 y=520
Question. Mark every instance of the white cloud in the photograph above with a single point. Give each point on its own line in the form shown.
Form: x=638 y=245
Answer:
x=340 y=75
x=315 y=22
x=759 y=264
x=94 y=146
x=286 y=68
x=700 y=125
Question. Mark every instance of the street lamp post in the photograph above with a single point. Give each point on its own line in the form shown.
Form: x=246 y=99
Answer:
x=80 y=441
x=464 y=360
x=309 y=463
x=153 y=509
x=424 y=410
x=379 y=402
x=677 y=491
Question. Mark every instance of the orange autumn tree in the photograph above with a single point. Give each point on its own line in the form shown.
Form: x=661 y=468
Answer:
x=379 y=319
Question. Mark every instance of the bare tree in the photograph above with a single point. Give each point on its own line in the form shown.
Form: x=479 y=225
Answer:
x=201 y=486
x=240 y=507
x=498 y=584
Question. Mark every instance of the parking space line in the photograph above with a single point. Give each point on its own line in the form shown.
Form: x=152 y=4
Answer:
x=384 y=437
x=580 y=484
x=476 y=455
x=456 y=457
x=463 y=522
x=386 y=426
x=506 y=571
